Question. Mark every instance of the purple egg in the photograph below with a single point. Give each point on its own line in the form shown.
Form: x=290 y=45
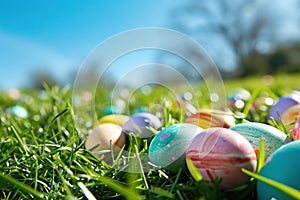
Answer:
x=283 y=104
x=139 y=123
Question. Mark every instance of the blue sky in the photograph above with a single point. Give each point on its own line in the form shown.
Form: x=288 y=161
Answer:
x=56 y=36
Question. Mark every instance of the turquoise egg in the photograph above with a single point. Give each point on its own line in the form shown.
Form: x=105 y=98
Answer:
x=282 y=167
x=254 y=132
x=168 y=147
x=19 y=111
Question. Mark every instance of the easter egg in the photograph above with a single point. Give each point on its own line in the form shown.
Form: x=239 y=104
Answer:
x=291 y=114
x=283 y=104
x=238 y=98
x=18 y=111
x=207 y=118
x=296 y=131
x=220 y=152
x=282 y=167
x=138 y=124
x=112 y=110
x=103 y=135
x=262 y=103
x=167 y=149
x=255 y=132
x=114 y=119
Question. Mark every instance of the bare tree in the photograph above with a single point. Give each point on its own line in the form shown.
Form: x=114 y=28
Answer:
x=234 y=32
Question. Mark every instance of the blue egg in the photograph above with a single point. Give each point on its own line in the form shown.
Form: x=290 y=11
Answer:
x=19 y=111
x=282 y=166
x=109 y=110
x=139 y=123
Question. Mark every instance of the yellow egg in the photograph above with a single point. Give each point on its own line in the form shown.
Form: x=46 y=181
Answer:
x=114 y=119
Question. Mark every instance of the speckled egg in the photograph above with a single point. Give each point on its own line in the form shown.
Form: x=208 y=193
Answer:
x=255 y=132
x=104 y=134
x=207 y=118
x=138 y=124
x=168 y=147
x=296 y=131
x=283 y=104
x=114 y=119
x=220 y=152
x=282 y=167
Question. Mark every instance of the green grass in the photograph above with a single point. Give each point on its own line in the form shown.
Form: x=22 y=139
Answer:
x=43 y=156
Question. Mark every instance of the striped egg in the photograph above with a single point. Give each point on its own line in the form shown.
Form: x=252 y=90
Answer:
x=168 y=147
x=255 y=132
x=220 y=152
x=103 y=136
x=114 y=119
x=283 y=104
x=296 y=131
x=207 y=118
x=291 y=114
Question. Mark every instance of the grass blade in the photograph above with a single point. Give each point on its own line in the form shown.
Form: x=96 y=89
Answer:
x=284 y=188
x=194 y=172
x=261 y=155
x=21 y=186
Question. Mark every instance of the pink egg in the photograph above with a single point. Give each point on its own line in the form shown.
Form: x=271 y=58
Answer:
x=220 y=152
x=296 y=132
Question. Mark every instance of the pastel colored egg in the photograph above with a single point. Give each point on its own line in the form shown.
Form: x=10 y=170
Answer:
x=18 y=111
x=283 y=104
x=220 y=152
x=238 y=97
x=103 y=135
x=255 y=132
x=114 y=119
x=207 y=118
x=282 y=167
x=296 y=131
x=291 y=114
x=139 y=123
x=112 y=110
x=240 y=94
x=262 y=103
x=167 y=149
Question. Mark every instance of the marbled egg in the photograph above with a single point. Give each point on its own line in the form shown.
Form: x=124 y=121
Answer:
x=255 y=132
x=114 y=119
x=282 y=167
x=283 y=104
x=220 y=152
x=296 y=131
x=103 y=135
x=139 y=123
x=167 y=149
x=207 y=118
